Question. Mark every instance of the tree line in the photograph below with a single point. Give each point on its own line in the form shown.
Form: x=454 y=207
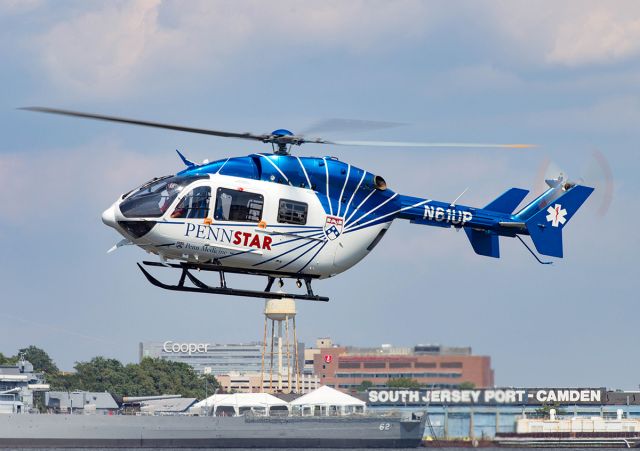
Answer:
x=150 y=377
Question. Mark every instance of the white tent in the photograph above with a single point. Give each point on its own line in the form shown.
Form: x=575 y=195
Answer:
x=327 y=401
x=239 y=403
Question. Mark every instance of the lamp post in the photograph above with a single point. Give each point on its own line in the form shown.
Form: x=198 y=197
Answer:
x=206 y=371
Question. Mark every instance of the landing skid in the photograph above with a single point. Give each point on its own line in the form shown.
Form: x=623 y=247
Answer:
x=201 y=287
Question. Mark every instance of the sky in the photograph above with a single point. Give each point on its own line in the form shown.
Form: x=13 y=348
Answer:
x=562 y=75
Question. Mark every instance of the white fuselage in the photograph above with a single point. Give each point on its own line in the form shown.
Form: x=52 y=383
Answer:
x=310 y=248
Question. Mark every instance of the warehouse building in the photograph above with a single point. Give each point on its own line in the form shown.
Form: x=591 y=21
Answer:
x=487 y=413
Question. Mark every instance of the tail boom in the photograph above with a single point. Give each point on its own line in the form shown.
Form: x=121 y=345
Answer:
x=543 y=219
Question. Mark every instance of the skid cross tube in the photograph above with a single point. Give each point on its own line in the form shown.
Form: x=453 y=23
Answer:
x=201 y=287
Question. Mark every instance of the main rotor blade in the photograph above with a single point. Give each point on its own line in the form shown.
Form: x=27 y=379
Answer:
x=122 y=120
x=421 y=144
x=278 y=139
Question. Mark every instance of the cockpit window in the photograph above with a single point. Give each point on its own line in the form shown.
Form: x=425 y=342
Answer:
x=236 y=205
x=194 y=205
x=151 y=200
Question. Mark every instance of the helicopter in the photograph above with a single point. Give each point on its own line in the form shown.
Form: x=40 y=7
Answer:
x=282 y=216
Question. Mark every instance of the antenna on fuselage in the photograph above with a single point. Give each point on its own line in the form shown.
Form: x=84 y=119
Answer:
x=453 y=204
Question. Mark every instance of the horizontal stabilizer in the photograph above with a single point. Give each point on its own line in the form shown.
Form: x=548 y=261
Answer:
x=508 y=201
x=484 y=242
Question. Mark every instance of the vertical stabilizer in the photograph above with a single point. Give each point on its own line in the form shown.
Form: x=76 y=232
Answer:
x=546 y=216
x=507 y=201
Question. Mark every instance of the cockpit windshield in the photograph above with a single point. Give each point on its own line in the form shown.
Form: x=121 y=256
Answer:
x=152 y=199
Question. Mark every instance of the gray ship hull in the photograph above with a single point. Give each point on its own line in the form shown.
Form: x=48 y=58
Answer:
x=123 y=431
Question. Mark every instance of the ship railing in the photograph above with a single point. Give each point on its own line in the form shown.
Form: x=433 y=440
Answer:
x=283 y=416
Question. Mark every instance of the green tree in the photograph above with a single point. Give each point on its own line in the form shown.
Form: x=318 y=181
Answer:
x=364 y=385
x=148 y=378
x=466 y=385
x=62 y=381
x=4 y=360
x=403 y=382
x=160 y=376
x=39 y=359
x=101 y=374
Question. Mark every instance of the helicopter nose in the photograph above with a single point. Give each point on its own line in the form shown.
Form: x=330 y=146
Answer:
x=109 y=217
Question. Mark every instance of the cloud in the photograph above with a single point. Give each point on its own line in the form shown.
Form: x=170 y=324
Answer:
x=113 y=47
x=60 y=183
x=19 y=6
x=101 y=49
x=606 y=33
x=117 y=48
x=569 y=33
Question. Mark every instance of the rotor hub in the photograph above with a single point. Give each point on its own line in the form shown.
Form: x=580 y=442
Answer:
x=282 y=138
x=282 y=132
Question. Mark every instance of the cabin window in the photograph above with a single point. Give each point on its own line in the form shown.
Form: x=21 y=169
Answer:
x=292 y=212
x=194 y=205
x=236 y=205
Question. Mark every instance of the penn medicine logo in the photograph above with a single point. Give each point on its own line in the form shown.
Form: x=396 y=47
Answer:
x=556 y=215
x=333 y=227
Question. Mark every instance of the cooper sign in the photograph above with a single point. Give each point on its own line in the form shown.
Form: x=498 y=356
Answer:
x=171 y=347
x=520 y=396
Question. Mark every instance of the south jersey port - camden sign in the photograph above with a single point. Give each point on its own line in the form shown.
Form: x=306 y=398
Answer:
x=489 y=396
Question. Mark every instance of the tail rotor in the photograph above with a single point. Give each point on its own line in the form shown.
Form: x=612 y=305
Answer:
x=595 y=172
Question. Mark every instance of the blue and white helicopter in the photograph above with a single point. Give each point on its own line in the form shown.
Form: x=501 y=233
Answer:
x=304 y=218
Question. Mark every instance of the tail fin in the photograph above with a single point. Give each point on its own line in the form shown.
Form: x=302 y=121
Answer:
x=547 y=215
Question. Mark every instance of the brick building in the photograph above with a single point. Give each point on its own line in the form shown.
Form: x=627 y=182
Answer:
x=346 y=368
x=250 y=382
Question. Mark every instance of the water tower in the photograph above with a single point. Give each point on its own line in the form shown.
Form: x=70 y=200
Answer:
x=278 y=364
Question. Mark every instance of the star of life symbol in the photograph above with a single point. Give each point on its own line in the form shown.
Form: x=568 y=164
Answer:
x=556 y=215
x=333 y=227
